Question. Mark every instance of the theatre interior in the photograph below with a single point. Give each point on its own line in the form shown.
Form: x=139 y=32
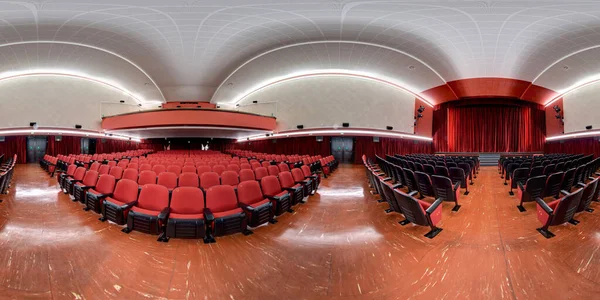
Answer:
x=317 y=149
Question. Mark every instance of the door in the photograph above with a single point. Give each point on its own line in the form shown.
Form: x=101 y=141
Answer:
x=342 y=149
x=36 y=148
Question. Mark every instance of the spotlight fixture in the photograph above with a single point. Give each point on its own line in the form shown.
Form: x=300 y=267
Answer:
x=254 y=101
x=345 y=124
x=122 y=101
x=389 y=128
x=421 y=109
x=140 y=105
x=78 y=126
x=556 y=108
x=300 y=126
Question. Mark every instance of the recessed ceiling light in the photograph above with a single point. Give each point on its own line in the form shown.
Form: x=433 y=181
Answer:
x=230 y=84
x=566 y=67
x=411 y=67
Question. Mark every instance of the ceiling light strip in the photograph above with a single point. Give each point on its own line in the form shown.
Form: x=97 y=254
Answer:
x=573 y=135
x=576 y=87
x=68 y=132
x=329 y=132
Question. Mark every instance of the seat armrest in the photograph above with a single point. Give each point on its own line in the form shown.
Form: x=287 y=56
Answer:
x=246 y=206
x=456 y=186
x=129 y=205
x=564 y=192
x=544 y=206
x=387 y=179
x=579 y=184
x=164 y=214
x=413 y=193
x=520 y=186
x=591 y=178
x=434 y=206
x=292 y=190
x=397 y=185
x=85 y=187
x=208 y=215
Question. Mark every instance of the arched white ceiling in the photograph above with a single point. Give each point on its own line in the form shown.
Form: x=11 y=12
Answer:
x=190 y=47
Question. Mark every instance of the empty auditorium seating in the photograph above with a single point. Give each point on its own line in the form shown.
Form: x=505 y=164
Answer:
x=146 y=177
x=222 y=213
x=299 y=178
x=424 y=184
x=287 y=183
x=553 y=183
x=280 y=199
x=150 y=212
x=558 y=211
x=209 y=179
x=445 y=190
x=532 y=190
x=69 y=181
x=420 y=212
x=81 y=188
x=131 y=174
x=258 y=209
x=186 y=218
x=168 y=180
x=189 y=180
x=115 y=208
x=246 y=174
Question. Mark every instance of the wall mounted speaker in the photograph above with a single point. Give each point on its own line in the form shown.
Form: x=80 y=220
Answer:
x=77 y=126
x=122 y=101
x=389 y=128
x=32 y=124
x=319 y=139
x=2 y=139
x=589 y=127
x=345 y=124
x=58 y=138
x=254 y=101
x=300 y=126
x=375 y=139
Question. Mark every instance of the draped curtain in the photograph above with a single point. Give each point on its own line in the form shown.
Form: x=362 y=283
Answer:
x=574 y=146
x=14 y=145
x=365 y=145
x=489 y=128
x=300 y=145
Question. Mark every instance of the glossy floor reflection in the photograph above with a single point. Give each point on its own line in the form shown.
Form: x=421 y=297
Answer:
x=340 y=244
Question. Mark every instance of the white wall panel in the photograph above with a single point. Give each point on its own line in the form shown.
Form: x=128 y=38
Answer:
x=327 y=101
x=582 y=108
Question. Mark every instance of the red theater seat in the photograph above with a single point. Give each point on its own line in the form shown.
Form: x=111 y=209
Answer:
x=222 y=213
x=70 y=181
x=259 y=173
x=159 y=169
x=117 y=172
x=230 y=178
x=81 y=188
x=518 y=175
x=131 y=174
x=445 y=190
x=61 y=177
x=283 y=167
x=532 y=189
x=219 y=169
x=168 y=180
x=104 y=188
x=557 y=212
x=186 y=219
x=420 y=212
x=209 y=179
x=150 y=212
x=245 y=166
x=246 y=174
x=145 y=167
x=233 y=167
x=189 y=180
x=259 y=210
x=316 y=179
x=280 y=199
x=296 y=190
x=115 y=208
x=95 y=166
x=273 y=170
x=174 y=169
x=299 y=178
x=188 y=169
x=146 y=177
x=203 y=169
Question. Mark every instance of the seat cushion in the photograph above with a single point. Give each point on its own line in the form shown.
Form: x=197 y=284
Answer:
x=257 y=204
x=186 y=216
x=541 y=213
x=436 y=216
x=227 y=213
x=94 y=192
x=114 y=201
x=145 y=211
x=282 y=194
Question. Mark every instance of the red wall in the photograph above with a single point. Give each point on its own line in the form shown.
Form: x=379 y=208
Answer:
x=574 y=146
x=189 y=104
x=553 y=125
x=425 y=124
x=299 y=145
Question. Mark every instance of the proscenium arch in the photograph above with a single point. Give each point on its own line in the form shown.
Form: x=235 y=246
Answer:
x=95 y=48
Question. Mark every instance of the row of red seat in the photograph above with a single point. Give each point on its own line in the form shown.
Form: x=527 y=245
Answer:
x=6 y=172
x=188 y=205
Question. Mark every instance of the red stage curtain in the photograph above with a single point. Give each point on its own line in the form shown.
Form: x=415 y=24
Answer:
x=574 y=146
x=489 y=128
x=14 y=145
x=365 y=145
x=300 y=145
x=111 y=145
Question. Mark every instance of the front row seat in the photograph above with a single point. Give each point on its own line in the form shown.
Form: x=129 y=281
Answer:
x=420 y=212
x=558 y=211
x=532 y=189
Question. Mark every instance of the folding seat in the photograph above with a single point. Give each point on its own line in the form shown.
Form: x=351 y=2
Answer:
x=174 y=169
x=536 y=171
x=219 y=169
x=117 y=172
x=549 y=169
x=424 y=184
x=468 y=172
x=145 y=167
x=131 y=174
x=95 y=166
x=589 y=190
x=233 y=167
x=159 y=169
x=280 y=199
x=299 y=178
x=168 y=180
x=579 y=175
x=283 y=167
x=188 y=169
x=146 y=177
x=115 y=208
x=203 y=169
x=134 y=166
x=532 y=189
x=150 y=212
x=273 y=170
x=69 y=181
x=558 y=211
x=445 y=190
x=259 y=173
x=519 y=175
x=553 y=183
x=112 y=163
x=411 y=180
x=510 y=168
x=222 y=213
x=568 y=180
x=287 y=183
x=189 y=180
x=316 y=179
x=265 y=164
x=186 y=217
x=81 y=188
x=560 y=167
x=420 y=212
x=419 y=167
x=209 y=179
x=451 y=165
x=123 y=164
x=441 y=171
x=230 y=178
x=246 y=174
x=245 y=166
x=429 y=169
x=61 y=177
x=259 y=210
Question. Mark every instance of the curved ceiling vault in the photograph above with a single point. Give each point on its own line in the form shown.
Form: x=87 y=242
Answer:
x=189 y=48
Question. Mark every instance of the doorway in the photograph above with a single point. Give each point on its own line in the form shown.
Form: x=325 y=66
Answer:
x=36 y=148
x=342 y=149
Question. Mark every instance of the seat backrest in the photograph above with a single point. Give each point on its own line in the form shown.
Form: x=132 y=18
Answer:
x=105 y=184
x=411 y=208
x=126 y=191
x=159 y=169
x=249 y=192
x=103 y=169
x=131 y=174
x=219 y=169
x=79 y=173
x=441 y=170
x=549 y=169
x=203 y=169
x=265 y=164
x=283 y=167
x=90 y=178
x=233 y=167
x=133 y=166
x=588 y=195
x=246 y=174
x=297 y=174
x=534 y=186
x=112 y=163
x=536 y=171
x=71 y=170
x=270 y=186
x=145 y=167
x=230 y=178
x=442 y=188
x=174 y=169
x=153 y=197
x=147 y=177
x=286 y=180
x=117 y=172
x=209 y=179
x=221 y=198
x=95 y=166
x=519 y=175
x=306 y=171
x=566 y=208
x=245 y=166
x=430 y=169
x=188 y=169
x=411 y=180
x=167 y=179
x=255 y=165
x=259 y=173
x=424 y=184
x=187 y=200
x=273 y=170
x=189 y=180
x=553 y=183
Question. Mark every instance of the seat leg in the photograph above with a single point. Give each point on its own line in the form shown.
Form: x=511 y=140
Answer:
x=102 y=219
x=273 y=221
x=247 y=232
x=86 y=208
x=380 y=200
x=389 y=210
x=589 y=209
x=456 y=207
x=545 y=232
x=521 y=208
x=511 y=192
x=290 y=210
x=573 y=221
x=404 y=222
x=434 y=232
x=126 y=230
